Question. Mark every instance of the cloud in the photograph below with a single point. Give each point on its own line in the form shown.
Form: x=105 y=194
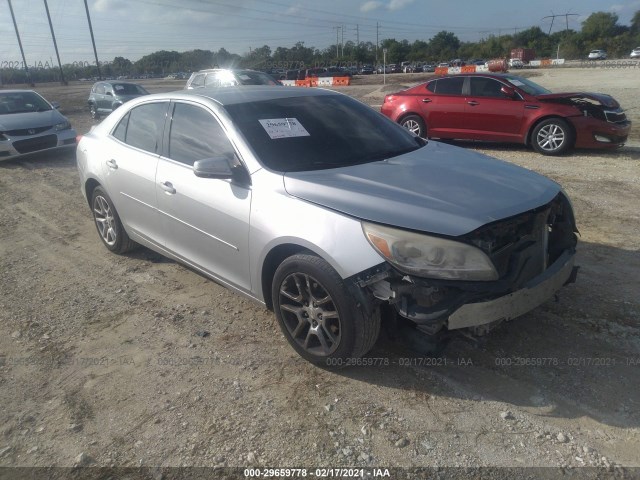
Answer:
x=398 y=4
x=370 y=6
x=109 y=5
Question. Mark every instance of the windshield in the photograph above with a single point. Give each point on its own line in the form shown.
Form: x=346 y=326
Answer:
x=255 y=78
x=312 y=133
x=128 y=89
x=22 y=102
x=527 y=85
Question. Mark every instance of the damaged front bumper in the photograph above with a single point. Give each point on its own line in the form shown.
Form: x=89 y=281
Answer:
x=534 y=255
x=532 y=294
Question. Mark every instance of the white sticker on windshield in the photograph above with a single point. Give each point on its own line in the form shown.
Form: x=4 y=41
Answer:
x=283 y=128
x=516 y=82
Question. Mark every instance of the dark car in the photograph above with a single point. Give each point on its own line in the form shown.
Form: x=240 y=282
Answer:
x=105 y=97
x=226 y=77
x=508 y=108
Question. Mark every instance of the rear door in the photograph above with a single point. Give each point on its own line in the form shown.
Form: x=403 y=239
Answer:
x=130 y=166
x=443 y=107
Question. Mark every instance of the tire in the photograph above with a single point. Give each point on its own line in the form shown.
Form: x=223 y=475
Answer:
x=552 y=136
x=93 y=111
x=108 y=223
x=414 y=124
x=317 y=315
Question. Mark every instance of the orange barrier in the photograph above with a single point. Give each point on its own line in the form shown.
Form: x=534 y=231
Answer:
x=341 y=81
x=313 y=81
x=302 y=83
x=442 y=70
x=468 y=69
x=545 y=62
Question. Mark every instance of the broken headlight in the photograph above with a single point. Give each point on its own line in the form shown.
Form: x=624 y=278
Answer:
x=428 y=256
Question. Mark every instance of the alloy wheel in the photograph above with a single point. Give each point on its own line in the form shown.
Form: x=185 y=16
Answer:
x=551 y=137
x=105 y=220
x=310 y=314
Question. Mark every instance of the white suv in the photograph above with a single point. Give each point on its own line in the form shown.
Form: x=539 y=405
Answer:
x=635 y=53
x=597 y=55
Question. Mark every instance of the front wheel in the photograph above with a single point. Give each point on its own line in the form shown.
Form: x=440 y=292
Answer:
x=552 y=136
x=415 y=125
x=108 y=223
x=317 y=315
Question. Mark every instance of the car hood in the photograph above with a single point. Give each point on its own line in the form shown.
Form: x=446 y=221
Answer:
x=18 y=121
x=602 y=98
x=438 y=188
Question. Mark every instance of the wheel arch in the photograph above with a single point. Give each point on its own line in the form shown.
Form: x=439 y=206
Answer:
x=408 y=113
x=271 y=262
x=539 y=120
x=89 y=186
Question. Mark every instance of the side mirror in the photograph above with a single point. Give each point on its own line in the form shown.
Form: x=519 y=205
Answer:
x=216 y=167
x=109 y=93
x=508 y=92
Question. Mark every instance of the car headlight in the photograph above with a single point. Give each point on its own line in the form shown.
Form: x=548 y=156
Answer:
x=62 y=125
x=428 y=256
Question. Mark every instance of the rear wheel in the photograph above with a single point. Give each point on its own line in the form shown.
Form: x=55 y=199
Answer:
x=414 y=124
x=108 y=223
x=552 y=136
x=317 y=315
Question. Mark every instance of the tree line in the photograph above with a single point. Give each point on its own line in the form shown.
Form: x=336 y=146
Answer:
x=600 y=30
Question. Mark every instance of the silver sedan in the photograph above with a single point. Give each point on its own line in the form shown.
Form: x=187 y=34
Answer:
x=325 y=211
x=30 y=124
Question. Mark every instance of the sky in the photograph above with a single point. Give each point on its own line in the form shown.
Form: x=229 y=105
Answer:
x=134 y=28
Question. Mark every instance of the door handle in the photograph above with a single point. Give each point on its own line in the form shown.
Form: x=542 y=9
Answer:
x=168 y=187
x=472 y=103
x=426 y=100
x=112 y=164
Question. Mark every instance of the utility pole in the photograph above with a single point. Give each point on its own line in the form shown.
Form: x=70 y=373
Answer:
x=55 y=44
x=93 y=40
x=342 y=41
x=337 y=29
x=377 y=41
x=565 y=15
x=24 y=61
x=358 y=35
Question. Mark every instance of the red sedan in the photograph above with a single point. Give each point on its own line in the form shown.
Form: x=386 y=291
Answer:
x=508 y=108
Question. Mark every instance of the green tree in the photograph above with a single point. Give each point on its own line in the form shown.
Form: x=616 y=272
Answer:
x=599 y=25
x=444 y=46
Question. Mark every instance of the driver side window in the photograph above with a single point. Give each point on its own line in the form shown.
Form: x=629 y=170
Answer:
x=195 y=135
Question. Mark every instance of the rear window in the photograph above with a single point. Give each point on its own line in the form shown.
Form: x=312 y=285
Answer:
x=312 y=133
x=450 y=86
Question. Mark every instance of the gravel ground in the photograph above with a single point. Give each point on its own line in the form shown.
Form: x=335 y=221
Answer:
x=135 y=360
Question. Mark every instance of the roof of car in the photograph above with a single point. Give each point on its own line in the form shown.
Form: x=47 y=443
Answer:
x=250 y=93
x=209 y=70
x=18 y=90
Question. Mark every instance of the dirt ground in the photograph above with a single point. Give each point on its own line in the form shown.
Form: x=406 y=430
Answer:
x=138 y=361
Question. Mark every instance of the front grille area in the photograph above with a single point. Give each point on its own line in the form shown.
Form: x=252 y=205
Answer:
x=524 y=246
x=25 y=132
x=34 y=144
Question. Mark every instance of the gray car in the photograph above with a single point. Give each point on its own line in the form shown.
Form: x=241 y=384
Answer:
x=228 y=77
x=105 y=97
x=30 y=124
x=320 y=208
